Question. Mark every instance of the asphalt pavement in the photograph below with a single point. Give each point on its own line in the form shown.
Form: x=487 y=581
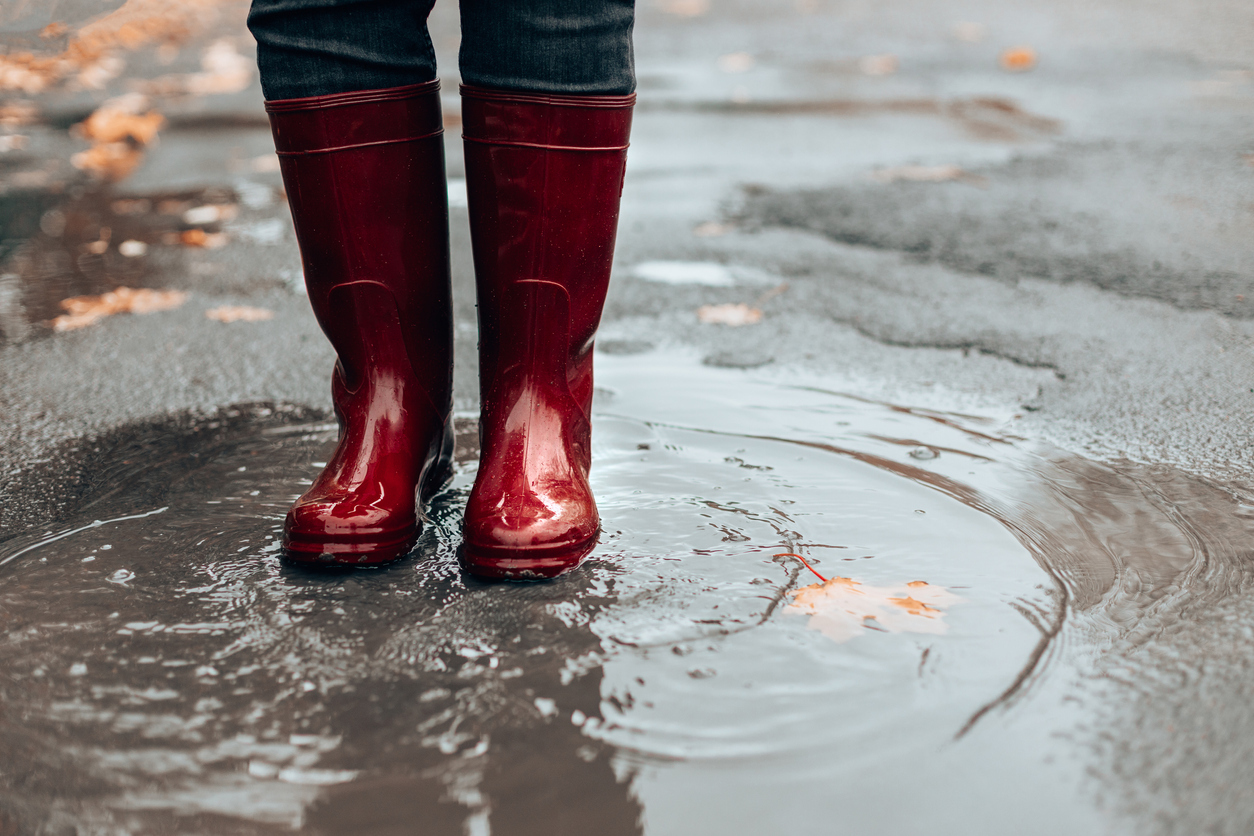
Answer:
x=1039 y=214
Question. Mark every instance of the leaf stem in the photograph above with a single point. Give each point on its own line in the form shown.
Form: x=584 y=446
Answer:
x=803 y=560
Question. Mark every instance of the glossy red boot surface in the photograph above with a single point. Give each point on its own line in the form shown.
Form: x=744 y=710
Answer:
x=364 y=174
x=544 y=175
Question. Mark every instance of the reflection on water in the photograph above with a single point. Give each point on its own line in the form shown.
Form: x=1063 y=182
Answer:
x=170 y=674
x=61 y=244
x=165 y=672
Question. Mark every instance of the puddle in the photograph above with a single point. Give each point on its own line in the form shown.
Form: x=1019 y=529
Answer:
x=86 y=242
x=167 y=673
x=987 y=118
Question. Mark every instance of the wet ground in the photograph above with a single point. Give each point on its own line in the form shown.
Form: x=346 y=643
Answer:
x=172 y=675
x=921 y=444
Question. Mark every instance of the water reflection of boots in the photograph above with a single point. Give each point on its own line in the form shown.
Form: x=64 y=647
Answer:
x=364 y=174
x=544 y=175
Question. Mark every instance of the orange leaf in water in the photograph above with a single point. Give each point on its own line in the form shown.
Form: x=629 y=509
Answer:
x=200 y=238
x=912 y=606
x=239 y=313
x=1018 y=59
x=842 y=608
x=88 y=310
x=729 y=314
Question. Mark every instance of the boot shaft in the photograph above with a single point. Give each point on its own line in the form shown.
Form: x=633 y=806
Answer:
x=544 y=177
x=364 y=174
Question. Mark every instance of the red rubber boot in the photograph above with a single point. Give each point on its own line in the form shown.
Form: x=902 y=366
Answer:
x=544 y=174
x=365 y=180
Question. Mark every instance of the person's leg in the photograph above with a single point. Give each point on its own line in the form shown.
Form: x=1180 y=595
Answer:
x=574 y=47
x=362 y=156
x=320 y=47
x=546 y=115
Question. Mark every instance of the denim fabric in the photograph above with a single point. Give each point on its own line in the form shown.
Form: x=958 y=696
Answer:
x=549 y=46
x=318 y=47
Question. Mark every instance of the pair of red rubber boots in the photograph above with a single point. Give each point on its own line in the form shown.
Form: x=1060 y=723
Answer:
x=365 y=179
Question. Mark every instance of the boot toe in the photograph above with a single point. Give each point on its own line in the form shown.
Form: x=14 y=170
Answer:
x=346 y=518
x=324 y=532
x=529 y=541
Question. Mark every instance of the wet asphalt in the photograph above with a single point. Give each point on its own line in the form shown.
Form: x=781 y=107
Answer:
x=1075 y=267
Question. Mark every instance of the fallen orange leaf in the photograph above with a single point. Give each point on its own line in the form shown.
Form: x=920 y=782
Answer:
x=119 y=129
x=239 y=313
x=841 y=607
x=88 y=310
x=730 y=314
x=200 y=238
x=912 y=606
x=1018 y=59
x=120 y=119
x=110 y=161
x=89 y=56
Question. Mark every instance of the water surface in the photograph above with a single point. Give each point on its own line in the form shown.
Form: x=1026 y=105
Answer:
x=166 y=672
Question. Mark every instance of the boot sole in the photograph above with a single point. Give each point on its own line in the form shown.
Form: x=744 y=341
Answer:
x=373 y=552
x=317 y=550
x=538 y=564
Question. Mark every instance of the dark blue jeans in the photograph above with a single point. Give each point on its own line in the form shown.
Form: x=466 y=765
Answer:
x=317 y=47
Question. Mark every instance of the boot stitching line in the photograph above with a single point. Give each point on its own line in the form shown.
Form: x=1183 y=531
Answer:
x=542 y=146
x=313 y=151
